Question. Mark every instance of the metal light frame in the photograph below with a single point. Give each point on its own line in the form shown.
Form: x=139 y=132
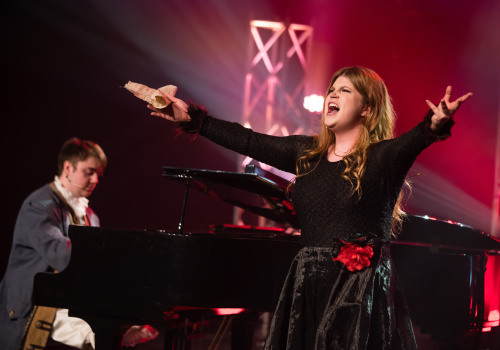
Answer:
x=275 y=48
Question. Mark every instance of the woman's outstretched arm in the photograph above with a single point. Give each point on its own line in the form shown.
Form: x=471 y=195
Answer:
x=277 y=151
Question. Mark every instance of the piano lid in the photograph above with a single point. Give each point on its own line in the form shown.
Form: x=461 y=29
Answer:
x=263 y=193
x=255 y=190
x=446 y=236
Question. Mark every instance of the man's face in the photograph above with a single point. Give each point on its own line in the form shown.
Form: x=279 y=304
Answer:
x=83 y=178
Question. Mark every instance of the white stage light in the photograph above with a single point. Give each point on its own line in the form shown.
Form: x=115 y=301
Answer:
x=314 y=103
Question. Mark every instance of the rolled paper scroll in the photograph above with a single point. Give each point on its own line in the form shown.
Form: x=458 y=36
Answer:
x=150 y=95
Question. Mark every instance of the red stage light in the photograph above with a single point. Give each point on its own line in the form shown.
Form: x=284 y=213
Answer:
x=493 y=320
x=228 y=311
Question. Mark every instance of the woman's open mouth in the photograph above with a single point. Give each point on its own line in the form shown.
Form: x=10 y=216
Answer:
x=333 y=107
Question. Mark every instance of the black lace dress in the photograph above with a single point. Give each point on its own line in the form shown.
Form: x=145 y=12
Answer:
x=324 y=305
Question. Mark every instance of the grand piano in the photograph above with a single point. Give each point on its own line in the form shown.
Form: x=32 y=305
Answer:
x=122 y=277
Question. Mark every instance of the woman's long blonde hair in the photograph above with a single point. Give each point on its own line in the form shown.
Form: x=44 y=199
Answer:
x=377 y=125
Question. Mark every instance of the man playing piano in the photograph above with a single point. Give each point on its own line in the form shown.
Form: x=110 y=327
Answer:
x=41 y=244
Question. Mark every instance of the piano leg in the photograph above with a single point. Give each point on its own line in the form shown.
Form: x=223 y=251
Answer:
x=109 y=337
x=244 y=329
x=477 y=273
x=177 y=341
x=180 y=333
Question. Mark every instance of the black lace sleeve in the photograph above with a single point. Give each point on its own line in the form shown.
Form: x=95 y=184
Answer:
x=279 y=152
x=443 y=134
x=400 y=153
x=198 y=115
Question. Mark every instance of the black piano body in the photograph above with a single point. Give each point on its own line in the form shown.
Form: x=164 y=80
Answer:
x=122 y=277
x=441 y=266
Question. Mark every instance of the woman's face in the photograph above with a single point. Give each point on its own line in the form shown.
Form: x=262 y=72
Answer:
x=344 y=107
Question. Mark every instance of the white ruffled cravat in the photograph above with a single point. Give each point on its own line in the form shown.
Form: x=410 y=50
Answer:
x=78 y=204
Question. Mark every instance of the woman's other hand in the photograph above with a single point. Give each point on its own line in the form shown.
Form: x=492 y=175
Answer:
x=445 y=110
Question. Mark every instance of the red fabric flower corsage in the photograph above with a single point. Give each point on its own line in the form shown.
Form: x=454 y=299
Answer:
x=354 y=256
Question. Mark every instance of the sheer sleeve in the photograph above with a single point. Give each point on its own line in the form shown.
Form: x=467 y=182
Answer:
x=279 y=152
x=400 y=153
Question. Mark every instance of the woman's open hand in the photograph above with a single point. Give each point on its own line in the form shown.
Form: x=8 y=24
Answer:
x=176 y=111
x=445 y=110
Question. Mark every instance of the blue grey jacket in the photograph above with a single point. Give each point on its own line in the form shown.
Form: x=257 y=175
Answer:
x=40 y=244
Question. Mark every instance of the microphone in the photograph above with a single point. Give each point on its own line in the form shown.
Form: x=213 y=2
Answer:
x=72 y=184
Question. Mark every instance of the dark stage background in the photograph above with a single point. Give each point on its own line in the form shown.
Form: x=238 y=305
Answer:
x=64 y=63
